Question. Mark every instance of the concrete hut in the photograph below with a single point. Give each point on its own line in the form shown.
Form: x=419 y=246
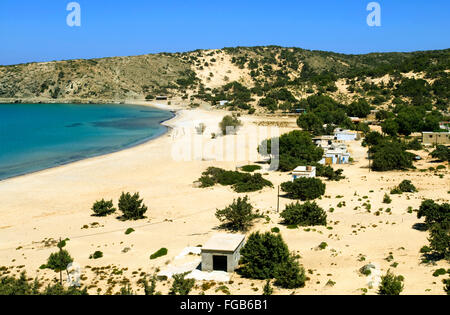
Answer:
x=222 y=252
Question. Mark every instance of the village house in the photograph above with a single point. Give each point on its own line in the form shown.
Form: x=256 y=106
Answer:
x=222 y=252
x=304 y=172
x=346 y=135
x=435 y=138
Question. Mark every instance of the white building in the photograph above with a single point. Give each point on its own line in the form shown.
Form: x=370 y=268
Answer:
x=223 y=103
x=304 y=172
x=222 y=252
x=345 y=135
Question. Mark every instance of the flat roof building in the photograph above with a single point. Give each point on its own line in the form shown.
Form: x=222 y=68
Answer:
x=222 y=252
x=304 y=172
x=431 y=138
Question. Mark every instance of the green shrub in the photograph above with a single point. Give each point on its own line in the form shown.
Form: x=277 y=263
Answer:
x=161 y=252
x=251 y=168
x=289 y=274
x=96 y=255
x=439 y=272
x=304 y=188
x=391 y=284
x=132 y=207
x=103 y=208
x=262 y=254
x=229 y=124
x=446 y=285
x=387 y=199
x=180 y=285
x=267 y=290
x=323 y=245
x=240 y=182
x=441 y=153
x=129 y=231
x=407 y=186
x=238 y=216
x=307 y=214
x=390 y=155
x=275 y=230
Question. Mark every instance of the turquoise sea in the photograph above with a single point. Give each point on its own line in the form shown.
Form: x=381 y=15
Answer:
x=34 y=137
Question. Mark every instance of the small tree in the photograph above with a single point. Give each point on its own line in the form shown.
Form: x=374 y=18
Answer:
x=391 y=284
x=434 y=213
x=238 y=216
x=289 y=274
x=387 y=199
x=447 y=285
x=180 y=285
x=307 y=214
x=262 y=254
x=407 y=186
x=59 y=261
x=304 y=188
x=103 y=208
x=132 y=207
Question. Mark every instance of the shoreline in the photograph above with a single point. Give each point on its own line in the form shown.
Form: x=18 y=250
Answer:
x=168 y=123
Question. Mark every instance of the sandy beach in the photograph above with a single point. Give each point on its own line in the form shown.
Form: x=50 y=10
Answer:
x=38 y=208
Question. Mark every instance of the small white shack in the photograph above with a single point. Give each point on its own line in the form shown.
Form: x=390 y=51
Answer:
x=222 y=252
x=346 y=135
x=304 y=172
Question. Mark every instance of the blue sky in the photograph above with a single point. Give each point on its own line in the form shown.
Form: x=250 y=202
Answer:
x=33 y=30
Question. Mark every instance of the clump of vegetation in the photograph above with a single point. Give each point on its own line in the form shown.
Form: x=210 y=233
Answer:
x=390 y=155
x=132 y=206
x=261 y=255
x=250 y=168
x=329 y=172
x=391 y=284
x=161 y=252
x=304 y=188
x=387 y=199
x=267 y=290
x=96 y=255
x=295 y=148
x=238 y=216
x=404 y=186
x=240 y=182
x=437 y=221
x=230 y=124
x=447 y=285
x=103 y=208
x=180 y=285
x=266 y=256
x=289 y=274
x=441 y=153
x=59 y=261
x=129 y=231
x=10 y=285
x=307 y=214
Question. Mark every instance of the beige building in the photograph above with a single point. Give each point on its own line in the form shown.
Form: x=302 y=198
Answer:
x=431 y=138
x=222 y=252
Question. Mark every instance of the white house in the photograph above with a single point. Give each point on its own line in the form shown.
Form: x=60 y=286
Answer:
x=223 y=103
x=345 y=135
x=336 y=156
x=304 y=172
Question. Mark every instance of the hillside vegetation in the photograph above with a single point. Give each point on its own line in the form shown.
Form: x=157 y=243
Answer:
x=252 y=78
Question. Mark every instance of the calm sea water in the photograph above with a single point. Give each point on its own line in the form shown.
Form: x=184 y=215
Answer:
x=34 y=137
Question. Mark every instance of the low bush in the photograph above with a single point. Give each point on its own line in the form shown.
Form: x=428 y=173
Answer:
x=307 y=214
x=132 y=206
x=251 y=168
x=180 y=285
x=289 y=274
x=96 y=255
x=391 y=284
x=262 y=254
x=161 y=252
x=103 y=208
x=240 y=182
x=238 y=216
x=304 y=188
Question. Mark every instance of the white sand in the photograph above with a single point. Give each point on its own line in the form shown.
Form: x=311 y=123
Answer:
x=56 y=203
